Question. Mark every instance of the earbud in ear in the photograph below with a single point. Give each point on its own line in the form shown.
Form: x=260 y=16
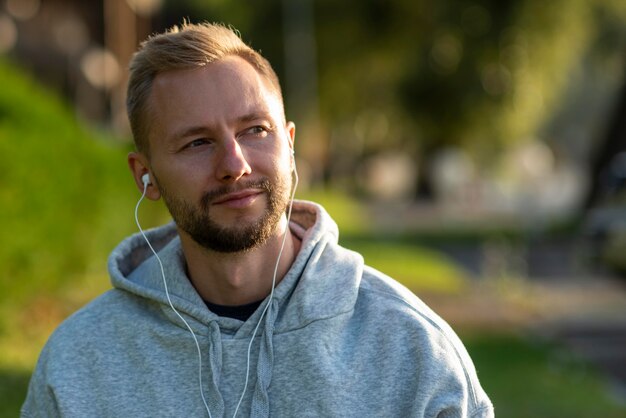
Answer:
x=145 y=179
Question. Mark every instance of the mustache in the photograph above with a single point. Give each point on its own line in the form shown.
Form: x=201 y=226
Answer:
x=263 y=184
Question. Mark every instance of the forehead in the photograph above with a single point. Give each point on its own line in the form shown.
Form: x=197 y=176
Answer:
x=213 y=94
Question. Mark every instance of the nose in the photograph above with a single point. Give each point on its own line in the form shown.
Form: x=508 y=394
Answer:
x=232 y=163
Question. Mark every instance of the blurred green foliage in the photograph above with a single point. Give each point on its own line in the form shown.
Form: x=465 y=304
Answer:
x=66 y=199
x=13 y=385
x=55 y=180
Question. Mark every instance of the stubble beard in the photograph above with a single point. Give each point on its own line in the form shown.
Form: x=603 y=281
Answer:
x=196 y=220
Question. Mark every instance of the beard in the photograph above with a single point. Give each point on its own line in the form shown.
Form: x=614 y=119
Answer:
x=197 y=222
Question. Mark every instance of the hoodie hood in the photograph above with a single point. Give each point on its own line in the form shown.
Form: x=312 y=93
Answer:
x=301 y=297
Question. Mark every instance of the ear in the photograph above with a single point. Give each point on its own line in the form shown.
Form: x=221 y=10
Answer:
x=290 y=127
x=139 y=165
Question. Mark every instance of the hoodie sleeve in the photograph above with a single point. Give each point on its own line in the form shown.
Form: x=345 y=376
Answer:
x=40 y=400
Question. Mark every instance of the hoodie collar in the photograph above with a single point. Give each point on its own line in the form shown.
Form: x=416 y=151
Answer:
x=322 y=282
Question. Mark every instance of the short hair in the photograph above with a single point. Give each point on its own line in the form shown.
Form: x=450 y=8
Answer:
x=184 y=47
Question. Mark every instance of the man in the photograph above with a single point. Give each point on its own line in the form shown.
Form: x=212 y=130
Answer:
x=240 y=311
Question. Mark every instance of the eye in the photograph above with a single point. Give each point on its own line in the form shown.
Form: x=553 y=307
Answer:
x=258 y=131
x=196 y=143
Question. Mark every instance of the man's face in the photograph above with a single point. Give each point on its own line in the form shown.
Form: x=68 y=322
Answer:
x=221 y=153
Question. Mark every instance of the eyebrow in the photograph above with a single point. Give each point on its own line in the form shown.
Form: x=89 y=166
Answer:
x=254 y=116
x=194 y=130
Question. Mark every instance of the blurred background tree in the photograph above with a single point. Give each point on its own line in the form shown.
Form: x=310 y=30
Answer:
x=419 y=76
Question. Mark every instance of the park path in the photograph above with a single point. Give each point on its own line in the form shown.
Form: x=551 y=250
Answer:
x=581 y=308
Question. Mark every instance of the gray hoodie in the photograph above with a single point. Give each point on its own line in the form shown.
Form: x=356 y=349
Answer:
x=340 y=340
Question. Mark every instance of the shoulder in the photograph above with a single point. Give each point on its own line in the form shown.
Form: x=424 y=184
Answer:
x=97 y=325
x=404 y=318
x=405 y=315
x=111 y=305
x=79 y=349
x=404 y=322
x=385 y=295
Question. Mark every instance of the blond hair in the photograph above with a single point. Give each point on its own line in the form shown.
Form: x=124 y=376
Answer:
x=184 y=47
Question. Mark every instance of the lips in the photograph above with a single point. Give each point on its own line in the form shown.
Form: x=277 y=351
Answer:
x=238 y=199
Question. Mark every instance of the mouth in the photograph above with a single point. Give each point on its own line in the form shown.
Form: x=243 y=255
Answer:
x=239 y=199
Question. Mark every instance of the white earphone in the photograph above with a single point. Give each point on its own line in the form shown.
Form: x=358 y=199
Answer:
x=145 y=179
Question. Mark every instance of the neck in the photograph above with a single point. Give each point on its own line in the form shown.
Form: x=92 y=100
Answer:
x=239 y=278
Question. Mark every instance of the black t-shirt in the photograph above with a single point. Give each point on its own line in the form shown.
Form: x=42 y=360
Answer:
x=241 y=312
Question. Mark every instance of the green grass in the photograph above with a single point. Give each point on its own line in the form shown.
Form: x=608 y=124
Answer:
x=65 y=192
x=52 y=177
x=529 y=379
x=345 y=210
x=418 y=268
x=13 y=385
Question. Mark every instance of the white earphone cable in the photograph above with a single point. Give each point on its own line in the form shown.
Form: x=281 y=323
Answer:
x=267 y=306
x=167 y=293
x=269 y=302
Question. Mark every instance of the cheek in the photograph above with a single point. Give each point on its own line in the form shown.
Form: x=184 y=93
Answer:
x=283 y=166
x=269 y=162
x=174 y=180
x=178 y=171
x=284 y=158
